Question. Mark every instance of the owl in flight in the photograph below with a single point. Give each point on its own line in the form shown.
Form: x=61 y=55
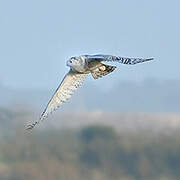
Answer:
x=80 y=67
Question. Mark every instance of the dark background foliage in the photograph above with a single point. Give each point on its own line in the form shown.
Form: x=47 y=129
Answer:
x=91 y=151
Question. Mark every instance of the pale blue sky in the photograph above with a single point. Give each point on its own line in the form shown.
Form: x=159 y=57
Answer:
x=38 y=36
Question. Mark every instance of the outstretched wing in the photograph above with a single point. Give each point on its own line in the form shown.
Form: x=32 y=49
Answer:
x=123 y=60
x=67 y=87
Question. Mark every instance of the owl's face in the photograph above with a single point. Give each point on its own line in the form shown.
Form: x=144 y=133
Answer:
x=76 y=63
x=73 y=61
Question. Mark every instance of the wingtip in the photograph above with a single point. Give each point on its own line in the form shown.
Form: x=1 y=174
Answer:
x=31 y=126
x=150 y=59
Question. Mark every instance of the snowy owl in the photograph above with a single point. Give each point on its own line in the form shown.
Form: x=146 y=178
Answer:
x=80 y=67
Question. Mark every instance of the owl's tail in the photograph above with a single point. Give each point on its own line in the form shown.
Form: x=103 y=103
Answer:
x=102 y=71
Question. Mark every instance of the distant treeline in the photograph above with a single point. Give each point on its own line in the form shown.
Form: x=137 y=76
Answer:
x=90 y=153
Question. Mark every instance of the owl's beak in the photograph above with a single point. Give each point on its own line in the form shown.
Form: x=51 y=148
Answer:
x=68 y=63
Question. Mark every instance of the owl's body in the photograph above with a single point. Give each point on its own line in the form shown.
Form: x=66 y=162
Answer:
x=80 y=67
x=87 y=64
x=83 y=64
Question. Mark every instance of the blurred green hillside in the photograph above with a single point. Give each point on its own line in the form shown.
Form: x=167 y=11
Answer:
x=90 y=152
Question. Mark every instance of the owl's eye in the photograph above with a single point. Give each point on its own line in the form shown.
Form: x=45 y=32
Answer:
x=70 y=61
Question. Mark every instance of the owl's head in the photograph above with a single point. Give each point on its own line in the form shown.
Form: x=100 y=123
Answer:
x=76 y=63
